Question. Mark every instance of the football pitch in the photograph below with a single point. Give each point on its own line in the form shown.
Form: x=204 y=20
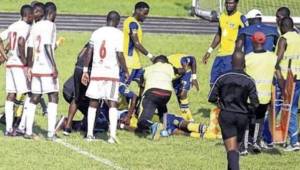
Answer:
x=175 y=152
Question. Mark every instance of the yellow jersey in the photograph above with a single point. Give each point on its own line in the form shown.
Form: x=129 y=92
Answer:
x=256 y=64
x=131 y=54
x=230 y=25
x=292 y=52
x=159 y=75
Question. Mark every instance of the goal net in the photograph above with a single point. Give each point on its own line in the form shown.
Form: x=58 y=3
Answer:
x=267 y=7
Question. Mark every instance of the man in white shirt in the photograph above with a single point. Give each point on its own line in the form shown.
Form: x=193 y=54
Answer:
x=43 y=71
x=106 y=46
x=16 y=81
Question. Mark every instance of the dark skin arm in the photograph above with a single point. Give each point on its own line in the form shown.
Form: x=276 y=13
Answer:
x=29 y=61
x=49 y=53
x=214 y=44
x=239 y=42
x=21 y=48
x=137 y=43
x=122 y=63
x=85 y=76
x=194 y=71
x=280 y=53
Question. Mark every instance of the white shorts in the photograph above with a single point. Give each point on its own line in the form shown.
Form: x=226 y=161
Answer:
x=103 y=89
x=44 y=85
x=16 y=81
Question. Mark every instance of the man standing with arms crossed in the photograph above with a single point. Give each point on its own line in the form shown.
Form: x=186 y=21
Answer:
x=106 y=48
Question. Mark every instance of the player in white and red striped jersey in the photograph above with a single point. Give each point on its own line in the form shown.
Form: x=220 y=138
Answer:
x=16 y=81
x=43 y=70
x=106 y=44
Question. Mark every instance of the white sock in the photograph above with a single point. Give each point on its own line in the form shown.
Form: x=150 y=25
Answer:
x=91 y=121
x=113 y=120
x=52 y=112
x=29 y=112
x=9 y=115
x=23 y=119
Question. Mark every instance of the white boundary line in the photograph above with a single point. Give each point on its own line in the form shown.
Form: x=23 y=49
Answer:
x=89 y=155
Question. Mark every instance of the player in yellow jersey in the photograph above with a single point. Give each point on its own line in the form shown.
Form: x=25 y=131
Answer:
x=133 y=40
x=183 y=82
x=229 y=24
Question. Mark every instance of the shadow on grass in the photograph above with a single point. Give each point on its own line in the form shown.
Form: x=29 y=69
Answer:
x=205 y=112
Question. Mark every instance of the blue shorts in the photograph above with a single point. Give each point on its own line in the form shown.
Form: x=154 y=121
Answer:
x=183 y=83
x=135 y=75
x=170 y=119
x=220 y=66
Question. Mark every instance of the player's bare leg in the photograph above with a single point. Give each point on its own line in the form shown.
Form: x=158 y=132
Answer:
x=71 y=113
x=9 y=113
x=91 y=119
x=52 y=113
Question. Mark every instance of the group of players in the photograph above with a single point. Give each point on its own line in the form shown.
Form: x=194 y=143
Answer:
x=99 y=87
x=110 y=62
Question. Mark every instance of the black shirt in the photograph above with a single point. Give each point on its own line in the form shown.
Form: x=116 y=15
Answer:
x=232 y=90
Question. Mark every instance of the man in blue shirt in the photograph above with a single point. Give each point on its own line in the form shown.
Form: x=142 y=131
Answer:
x=244 y=41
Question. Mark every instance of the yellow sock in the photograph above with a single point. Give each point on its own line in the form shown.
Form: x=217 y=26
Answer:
x=193 y=127
x=185 y=110
x=19 y=105
x=213 y=131
x=195 y=135
x=133 y=122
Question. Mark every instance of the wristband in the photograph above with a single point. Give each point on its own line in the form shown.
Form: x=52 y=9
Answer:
x=210 y=50
x=85 y=69
x=194 y=76
x=150 y=55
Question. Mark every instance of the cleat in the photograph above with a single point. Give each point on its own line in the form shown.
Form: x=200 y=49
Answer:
x=19 y=132
x=155 y=131
x=67 y=131
x=113 y=140
x=290 y=148
x=256 y=148
x=90 y=138
x=60 y=124
x=9 y=134
x=202 y=130
x=31 y=137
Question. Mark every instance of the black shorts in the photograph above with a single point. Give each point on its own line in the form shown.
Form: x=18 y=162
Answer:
x=79 y=88
x=233 y=124
x=154 y=99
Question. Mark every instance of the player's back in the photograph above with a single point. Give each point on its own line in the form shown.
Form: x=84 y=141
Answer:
x=270 y=32
x=13 y=33
x=42 y=33
x=107 y=41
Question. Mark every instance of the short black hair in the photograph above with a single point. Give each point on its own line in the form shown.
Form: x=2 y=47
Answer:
x=38 y=5
x=113 y=16
x=285 y=11
x=25 y=9
x=141 y=5
x=161 y=58
x=50 y=6
x=287 y=22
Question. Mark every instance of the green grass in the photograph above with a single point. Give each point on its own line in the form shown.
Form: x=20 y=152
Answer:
x=176 y=152
x=158 y=7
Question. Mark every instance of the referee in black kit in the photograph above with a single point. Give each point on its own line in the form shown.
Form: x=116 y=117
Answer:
x=231 y=92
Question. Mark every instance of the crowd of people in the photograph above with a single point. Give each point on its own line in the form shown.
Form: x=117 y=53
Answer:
x=251 y=58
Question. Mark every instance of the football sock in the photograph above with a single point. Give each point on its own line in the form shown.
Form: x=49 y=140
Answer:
x=91 y=121
x=233 y=160
x=113 y=120
x=52 y=112
x=9 y=115
x=29 y=111
x=23 y=119
x=193 y=127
